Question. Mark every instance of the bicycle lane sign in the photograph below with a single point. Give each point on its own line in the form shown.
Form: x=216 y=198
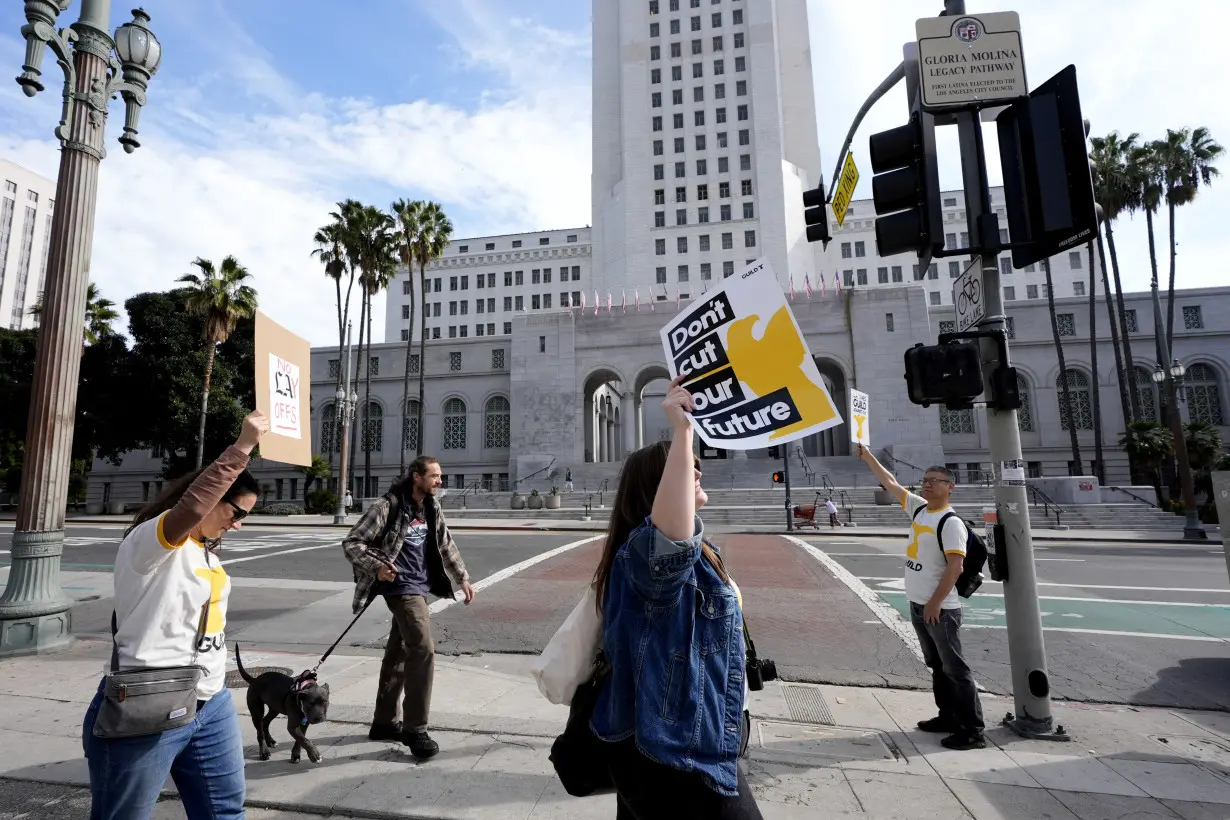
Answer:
x=967 y=298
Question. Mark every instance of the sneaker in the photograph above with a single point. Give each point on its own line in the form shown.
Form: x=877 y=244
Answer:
x=939 y=725
x=964 y=740
x=385 y=731
x=421 y=745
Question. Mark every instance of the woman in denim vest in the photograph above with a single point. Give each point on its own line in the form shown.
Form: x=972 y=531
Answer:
x=673 y=706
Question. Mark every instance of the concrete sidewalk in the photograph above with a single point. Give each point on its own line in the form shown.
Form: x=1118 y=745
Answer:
x=816 y=751
x=458 y=520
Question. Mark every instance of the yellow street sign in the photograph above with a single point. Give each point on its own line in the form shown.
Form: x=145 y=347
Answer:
x=845 y=189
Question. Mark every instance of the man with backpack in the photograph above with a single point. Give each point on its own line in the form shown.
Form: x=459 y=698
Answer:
x=402 y=549
x=935 y=564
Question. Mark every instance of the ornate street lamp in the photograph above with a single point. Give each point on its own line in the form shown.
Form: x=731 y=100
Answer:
x=346 y=402
x=34 y=613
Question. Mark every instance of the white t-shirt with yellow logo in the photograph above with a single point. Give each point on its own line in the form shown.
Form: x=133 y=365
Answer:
x=924 y=565
x=160 y=590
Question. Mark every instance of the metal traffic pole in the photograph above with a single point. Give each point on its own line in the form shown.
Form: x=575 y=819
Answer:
x=786 y=478
x=1031 y=686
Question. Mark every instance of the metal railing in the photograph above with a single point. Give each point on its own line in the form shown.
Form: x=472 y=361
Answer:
x=472 y=489
x=1131 y=494
x=847 y=505
x=1048 y=504
x=827 y=484
x=516 y=484
x=808 y=473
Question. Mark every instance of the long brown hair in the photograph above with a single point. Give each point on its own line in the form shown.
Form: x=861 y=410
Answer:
x=638 y=484
x=244 y=484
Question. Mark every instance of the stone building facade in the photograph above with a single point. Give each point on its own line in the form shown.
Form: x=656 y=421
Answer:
x=566 y=390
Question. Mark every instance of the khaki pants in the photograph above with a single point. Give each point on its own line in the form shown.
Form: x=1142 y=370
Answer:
x=409 y=665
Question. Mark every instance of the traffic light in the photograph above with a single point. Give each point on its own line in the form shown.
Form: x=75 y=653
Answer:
x=906 y=188
x=949 y=374
x=816 y=217
x=1048 y=190
x=775 y=452
x=779 y=477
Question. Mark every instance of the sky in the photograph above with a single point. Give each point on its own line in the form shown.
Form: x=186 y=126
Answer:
x=259 y=121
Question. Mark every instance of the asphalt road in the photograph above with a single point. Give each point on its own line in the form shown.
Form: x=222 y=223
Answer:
x=1123 y=623
x=291 y=587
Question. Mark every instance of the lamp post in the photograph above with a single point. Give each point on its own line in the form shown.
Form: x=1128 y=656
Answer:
x=34 y=613
x=1170 y=379
x=346 y=398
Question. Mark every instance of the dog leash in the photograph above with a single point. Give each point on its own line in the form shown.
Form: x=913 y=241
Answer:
x=312 y=673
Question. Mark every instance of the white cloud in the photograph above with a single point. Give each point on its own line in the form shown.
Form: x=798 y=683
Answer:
x=1141 y=67
x=209 y=182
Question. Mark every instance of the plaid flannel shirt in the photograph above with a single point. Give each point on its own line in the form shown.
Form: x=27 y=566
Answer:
x=367 y=552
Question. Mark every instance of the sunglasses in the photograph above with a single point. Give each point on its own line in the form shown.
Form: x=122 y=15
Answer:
x=238 y=512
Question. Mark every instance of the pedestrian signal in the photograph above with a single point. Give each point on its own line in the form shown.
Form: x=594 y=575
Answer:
x=779 y=477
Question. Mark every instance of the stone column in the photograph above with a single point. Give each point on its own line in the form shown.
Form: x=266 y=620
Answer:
x=639 y=426
x=601 y=433
x=610 y=438
x=35 y=615
x=628 y=419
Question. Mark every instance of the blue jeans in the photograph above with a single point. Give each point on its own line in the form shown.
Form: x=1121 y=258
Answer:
x=205 y=759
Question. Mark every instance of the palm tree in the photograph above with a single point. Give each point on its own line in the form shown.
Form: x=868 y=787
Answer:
x=1148 y=444
x=408 y=216
x=1100 y=472
x=1065 y=395
x=1186 y=160
x=99 y=314
x=369 y=242
x=434 y=232
x=1118 y=192
x=221 y=298
x=331 y=250
x=1143 y=166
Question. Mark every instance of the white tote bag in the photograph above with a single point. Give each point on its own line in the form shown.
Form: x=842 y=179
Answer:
x=568 y=659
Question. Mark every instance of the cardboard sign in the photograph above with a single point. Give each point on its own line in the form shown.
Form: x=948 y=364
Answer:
x=752 y=378
x=283 y=377
x=860 y=427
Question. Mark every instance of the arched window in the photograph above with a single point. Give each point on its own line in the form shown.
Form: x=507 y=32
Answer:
x=497 y=423
x=1024 y=413
x=373 y=428
x=454 y=424
x=410 y=426
x=956 y=422
x=330 y=436
x=1203 y=394
x=1078 y=392
x=1146 y=393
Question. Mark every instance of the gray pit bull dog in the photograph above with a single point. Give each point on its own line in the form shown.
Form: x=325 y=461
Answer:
x=303 y=701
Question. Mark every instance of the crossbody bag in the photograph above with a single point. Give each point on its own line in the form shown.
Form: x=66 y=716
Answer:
x=140 y=702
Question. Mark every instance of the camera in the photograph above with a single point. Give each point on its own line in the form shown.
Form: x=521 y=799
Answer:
x=758 y=671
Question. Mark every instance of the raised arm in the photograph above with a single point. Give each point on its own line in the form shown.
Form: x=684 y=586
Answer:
x=674 y=504
x=207 y=490
x=887 y=480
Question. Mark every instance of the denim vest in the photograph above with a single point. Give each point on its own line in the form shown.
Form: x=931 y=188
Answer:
x=673 y=634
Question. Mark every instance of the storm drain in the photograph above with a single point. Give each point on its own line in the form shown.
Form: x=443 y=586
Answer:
x=807 y=704
x=235 y=681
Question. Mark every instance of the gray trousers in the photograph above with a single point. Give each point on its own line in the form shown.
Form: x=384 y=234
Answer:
x=951 y=680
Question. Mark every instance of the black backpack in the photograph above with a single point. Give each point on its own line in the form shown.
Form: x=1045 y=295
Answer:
x=975 y=554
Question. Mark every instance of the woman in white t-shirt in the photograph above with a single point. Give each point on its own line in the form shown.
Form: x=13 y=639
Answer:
x=165 y=572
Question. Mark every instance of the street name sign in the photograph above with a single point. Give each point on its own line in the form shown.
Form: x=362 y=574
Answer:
x=967 y=298
x=970 y=60
x=845 y=189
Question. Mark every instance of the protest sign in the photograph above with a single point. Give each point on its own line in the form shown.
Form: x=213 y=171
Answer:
x=860 y=427
x=283 y=374
x=752 y=378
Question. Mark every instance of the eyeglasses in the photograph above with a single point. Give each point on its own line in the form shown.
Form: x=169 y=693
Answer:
x=238 y=513
x=927 y=482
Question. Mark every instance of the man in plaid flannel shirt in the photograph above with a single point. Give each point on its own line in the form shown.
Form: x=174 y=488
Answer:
x=401 y=549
